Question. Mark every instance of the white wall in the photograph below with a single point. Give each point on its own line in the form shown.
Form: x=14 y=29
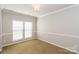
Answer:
x=0 y=31
x=8 y=16
x=61 y=28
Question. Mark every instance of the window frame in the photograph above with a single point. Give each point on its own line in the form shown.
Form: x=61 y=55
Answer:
x=23 y=30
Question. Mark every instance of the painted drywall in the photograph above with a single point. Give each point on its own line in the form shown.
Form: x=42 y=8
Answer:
x=0 y=31
x=61 y=28
x=8 y=16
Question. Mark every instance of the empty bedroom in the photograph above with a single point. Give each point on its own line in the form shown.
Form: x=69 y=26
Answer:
x=39 y=28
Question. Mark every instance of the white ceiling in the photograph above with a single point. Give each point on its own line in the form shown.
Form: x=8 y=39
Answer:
x=27 y=8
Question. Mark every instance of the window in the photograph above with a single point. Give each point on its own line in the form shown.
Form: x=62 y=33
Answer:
x=17 y=30
x=21 y=30
x=28 y=29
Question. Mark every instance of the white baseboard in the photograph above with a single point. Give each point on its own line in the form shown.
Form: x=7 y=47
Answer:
x=66 y=41
x=16 y=42
x=59 y=46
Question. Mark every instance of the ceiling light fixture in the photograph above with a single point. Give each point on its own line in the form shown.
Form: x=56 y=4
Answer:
x=36 y=7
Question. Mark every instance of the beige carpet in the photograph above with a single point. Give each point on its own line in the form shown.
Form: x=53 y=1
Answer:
x=35 y=46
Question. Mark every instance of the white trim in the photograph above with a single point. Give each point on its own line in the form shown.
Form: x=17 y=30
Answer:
x=4 y=34
x=15 y=42
x=59 y=46
x=59 y=10
x=67 y=35
x=14 y=11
